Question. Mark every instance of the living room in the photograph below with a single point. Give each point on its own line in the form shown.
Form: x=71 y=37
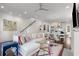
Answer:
x=36 y=29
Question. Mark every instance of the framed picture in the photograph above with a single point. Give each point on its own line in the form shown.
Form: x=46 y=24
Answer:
x=9 y=25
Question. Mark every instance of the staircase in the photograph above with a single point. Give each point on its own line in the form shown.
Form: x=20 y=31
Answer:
x=25 y=27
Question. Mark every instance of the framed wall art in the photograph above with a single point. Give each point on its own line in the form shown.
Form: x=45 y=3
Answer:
x=9 y=25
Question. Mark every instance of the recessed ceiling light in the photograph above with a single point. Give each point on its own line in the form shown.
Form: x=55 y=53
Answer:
x=67 y=7
x=2 y=6
x=25 y=12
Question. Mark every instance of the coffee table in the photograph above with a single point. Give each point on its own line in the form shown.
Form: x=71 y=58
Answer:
x=46 y=47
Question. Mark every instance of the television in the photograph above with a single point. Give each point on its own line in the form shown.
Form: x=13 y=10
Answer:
x=75 y=16
x=78 y=18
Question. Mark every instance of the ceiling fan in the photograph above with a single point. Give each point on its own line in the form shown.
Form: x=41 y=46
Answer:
x=41 y=8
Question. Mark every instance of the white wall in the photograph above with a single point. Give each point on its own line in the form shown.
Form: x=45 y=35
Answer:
x=34 y=28
x=75 y=42
x=0 y=30
x=8 y=35
x=21 y=23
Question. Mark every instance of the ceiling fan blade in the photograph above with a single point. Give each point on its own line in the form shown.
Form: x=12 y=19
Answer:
x=41 y=9
x=37 y=10
x=40 y=5
x=44 y=9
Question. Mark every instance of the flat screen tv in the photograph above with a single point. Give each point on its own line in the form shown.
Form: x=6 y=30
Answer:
x=78 y=18
x=75 y=16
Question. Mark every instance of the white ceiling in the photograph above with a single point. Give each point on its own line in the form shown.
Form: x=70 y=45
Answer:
x=56 y=11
